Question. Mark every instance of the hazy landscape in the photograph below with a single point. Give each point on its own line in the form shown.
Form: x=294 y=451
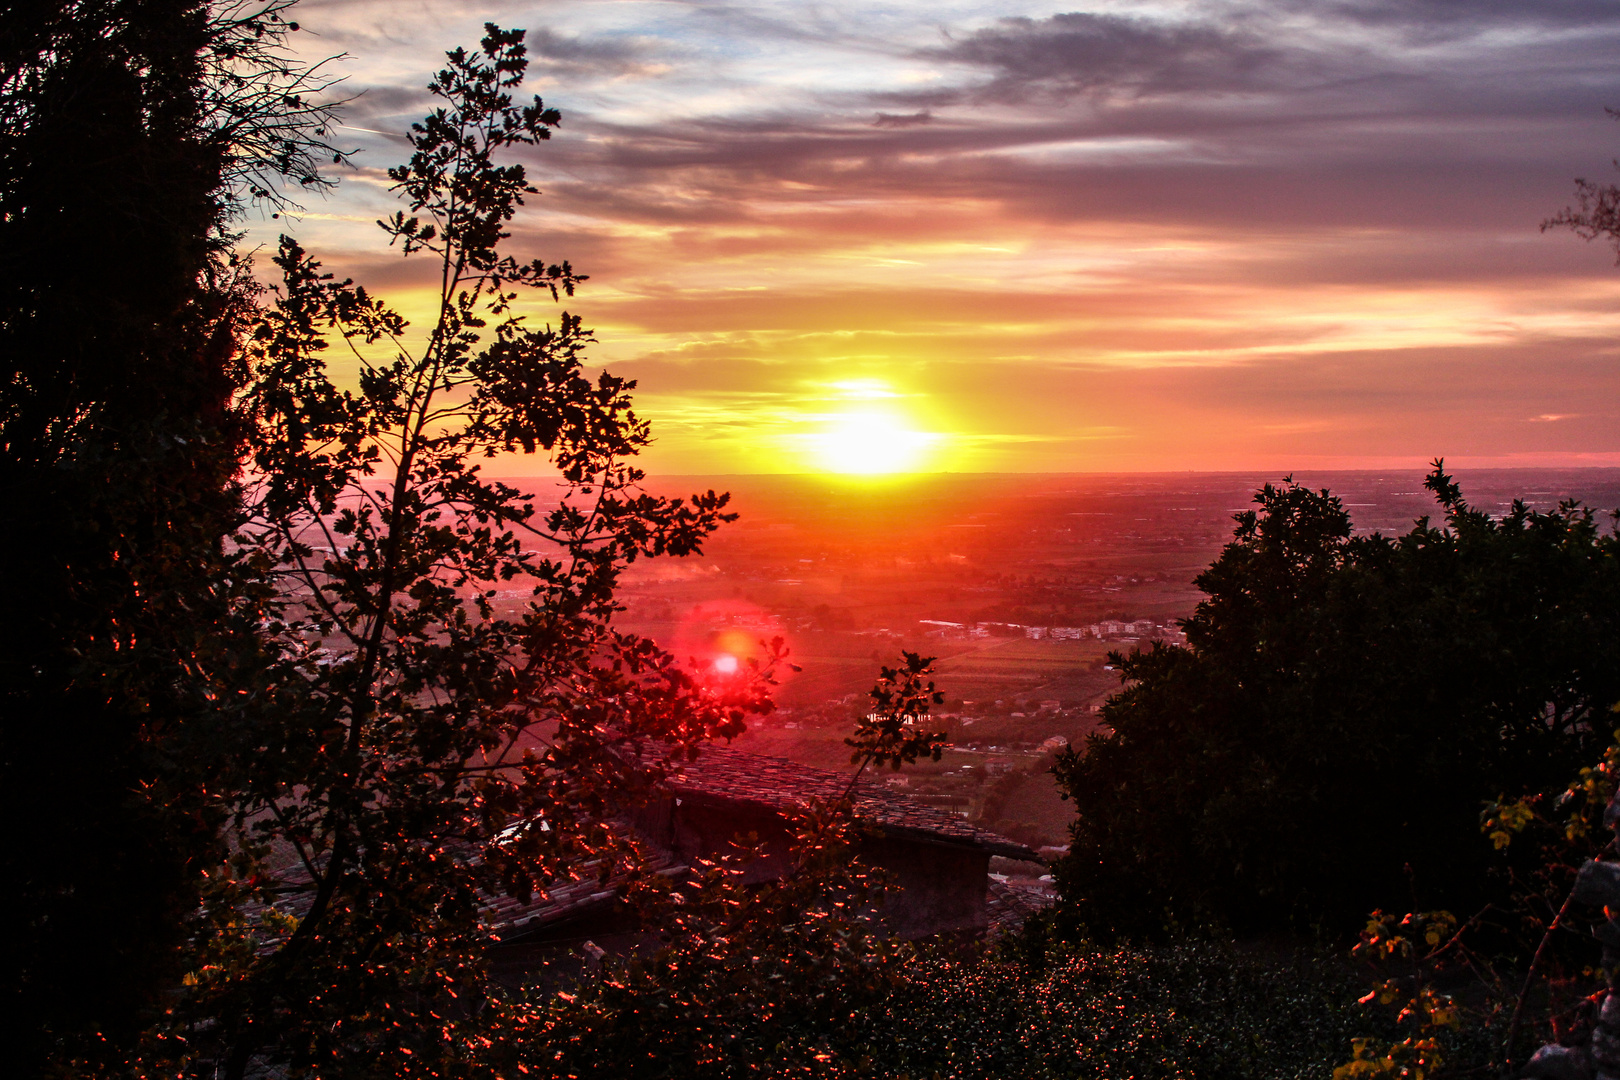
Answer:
x=849 y=572
x=811 y=549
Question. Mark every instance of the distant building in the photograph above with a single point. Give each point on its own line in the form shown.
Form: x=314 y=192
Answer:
x=926 y=718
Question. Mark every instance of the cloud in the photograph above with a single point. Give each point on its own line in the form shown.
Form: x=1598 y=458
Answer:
x=1279 y=410
x=1256 y=59
x=1309 y=225
x=902 y=120
x=1100 y=52
x=1251 y=115
x=395 y=106
x=1430 y=21
x=594 y=56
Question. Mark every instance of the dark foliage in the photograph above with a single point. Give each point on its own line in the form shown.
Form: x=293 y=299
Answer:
x=423 y=743
x=899 y=729
x=1189 y=1010
x=1343 y=709
x=1184 y=1011
x=122 y=126
x=770 y=979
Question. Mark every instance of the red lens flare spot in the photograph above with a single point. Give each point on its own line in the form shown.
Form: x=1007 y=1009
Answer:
x=724 y=640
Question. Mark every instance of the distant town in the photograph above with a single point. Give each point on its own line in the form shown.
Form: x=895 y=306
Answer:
x=1106 y=630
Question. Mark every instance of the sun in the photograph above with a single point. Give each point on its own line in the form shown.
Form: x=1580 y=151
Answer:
x=870 y=443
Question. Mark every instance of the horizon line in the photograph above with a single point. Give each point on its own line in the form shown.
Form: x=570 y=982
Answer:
x=873 y=480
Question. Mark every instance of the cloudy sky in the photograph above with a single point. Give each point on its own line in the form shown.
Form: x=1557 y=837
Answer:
x=1002 y=236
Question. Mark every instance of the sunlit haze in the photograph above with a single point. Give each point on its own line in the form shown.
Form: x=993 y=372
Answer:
x=869 y=441
x=873 y=239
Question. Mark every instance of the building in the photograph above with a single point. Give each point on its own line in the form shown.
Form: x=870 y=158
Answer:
x=938 y=860
x=940 y=863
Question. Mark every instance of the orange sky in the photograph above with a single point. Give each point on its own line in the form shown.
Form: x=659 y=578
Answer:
x=1007 y=237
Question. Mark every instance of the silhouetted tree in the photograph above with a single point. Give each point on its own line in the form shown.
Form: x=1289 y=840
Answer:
x=417 y=745
x=1342 y=710
x=124 y=125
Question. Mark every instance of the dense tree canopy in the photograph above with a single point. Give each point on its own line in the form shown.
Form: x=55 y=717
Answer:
x=277 y=736
x=1344 y=706
x=124 y=128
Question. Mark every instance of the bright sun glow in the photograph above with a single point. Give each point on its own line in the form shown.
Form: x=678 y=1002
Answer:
x=870 y=444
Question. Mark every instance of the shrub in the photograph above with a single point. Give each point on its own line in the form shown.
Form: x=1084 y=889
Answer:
x=1343 y=707
x=1190 y=1009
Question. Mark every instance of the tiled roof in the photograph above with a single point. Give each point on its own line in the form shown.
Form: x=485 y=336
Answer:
x=723 y=774
x=1008 y=906
x=719 y=774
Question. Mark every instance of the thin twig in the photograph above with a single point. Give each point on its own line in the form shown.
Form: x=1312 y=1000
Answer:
x=1535 y=962
x=1530 y=976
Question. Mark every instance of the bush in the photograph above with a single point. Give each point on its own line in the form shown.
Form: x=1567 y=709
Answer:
x=1185 y=1010
x=1343 y=708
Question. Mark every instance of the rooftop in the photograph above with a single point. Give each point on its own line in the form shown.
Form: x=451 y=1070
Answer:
x=722 y=774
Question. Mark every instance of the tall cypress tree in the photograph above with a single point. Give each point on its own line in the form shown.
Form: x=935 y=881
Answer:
x=119 y=313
